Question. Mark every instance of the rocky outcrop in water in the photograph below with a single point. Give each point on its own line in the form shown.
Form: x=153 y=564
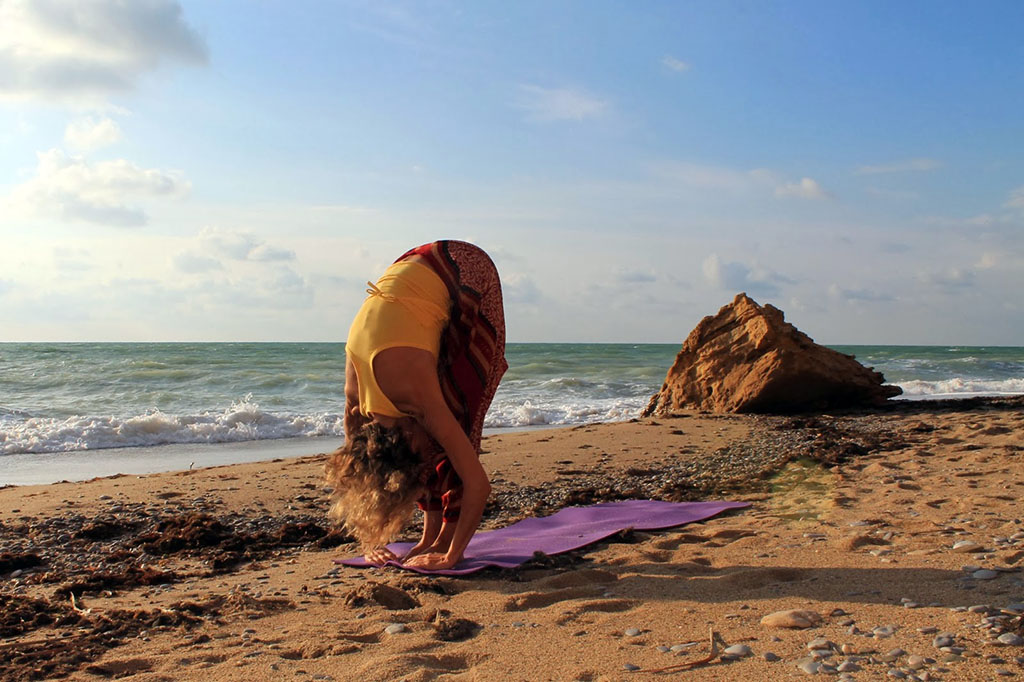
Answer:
x=747 y=358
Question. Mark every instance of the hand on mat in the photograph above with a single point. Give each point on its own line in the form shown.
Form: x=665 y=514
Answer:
x=379 y=556
x=431 y=562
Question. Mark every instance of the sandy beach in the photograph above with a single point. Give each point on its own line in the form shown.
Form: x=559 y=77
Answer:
x=901 y=528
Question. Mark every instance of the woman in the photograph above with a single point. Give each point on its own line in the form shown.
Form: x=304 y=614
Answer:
x=424 y=357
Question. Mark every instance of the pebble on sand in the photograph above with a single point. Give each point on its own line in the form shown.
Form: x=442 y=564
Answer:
x=793 y=618
x=809 y=666
x=739 y=650
x=1010 y=639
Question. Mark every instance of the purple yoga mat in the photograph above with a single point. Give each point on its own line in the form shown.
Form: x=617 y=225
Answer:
x=567 y=529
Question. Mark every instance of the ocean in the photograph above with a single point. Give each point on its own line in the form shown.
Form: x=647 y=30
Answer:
x=64 y=406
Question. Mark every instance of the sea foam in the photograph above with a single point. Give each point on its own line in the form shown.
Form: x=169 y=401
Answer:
x=244 y=420
x=961 y=387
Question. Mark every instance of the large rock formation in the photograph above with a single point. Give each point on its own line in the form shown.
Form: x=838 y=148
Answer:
x=747 y=358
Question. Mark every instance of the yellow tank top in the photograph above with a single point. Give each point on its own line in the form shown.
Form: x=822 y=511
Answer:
x=407 y=307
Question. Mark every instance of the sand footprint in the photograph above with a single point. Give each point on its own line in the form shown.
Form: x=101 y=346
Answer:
x=581 y=611
x=419 y=667
x=585 y=576
x=125 y=668
x=675 y=542
x=540 y=600
x=757 y=578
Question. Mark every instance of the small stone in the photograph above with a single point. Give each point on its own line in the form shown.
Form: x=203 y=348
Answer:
x=848 y=667
x=967 y=546
x=794 y=618
x=1010 y=639
x=630 y=667
x=820 y=643
x=632 y=632
x=1002 y=672
x=928 y=630
x=663 y=649
x=770 y=657
x=676 y=648
x=897 y=673
x=984 y=574
x=396 y=628
x=942 y=640
x=979 y=608
x=739 y=650
x=809 y=666
x=848 y=649
x=884 y=631
x=915 y=662
x=911 y=605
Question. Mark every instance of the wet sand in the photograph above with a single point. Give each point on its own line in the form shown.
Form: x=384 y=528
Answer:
x=900 y=528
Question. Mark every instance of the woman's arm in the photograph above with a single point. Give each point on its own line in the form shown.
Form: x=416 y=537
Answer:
x=354 y=420
x=440 y=423
x=408 y=377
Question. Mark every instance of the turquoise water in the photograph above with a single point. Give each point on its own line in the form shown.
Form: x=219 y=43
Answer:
x=68 y=397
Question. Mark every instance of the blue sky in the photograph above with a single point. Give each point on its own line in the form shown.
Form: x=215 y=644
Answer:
x=237 y=170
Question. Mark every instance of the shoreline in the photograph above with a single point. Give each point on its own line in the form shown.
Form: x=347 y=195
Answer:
x=82 y=465
x=897 y=527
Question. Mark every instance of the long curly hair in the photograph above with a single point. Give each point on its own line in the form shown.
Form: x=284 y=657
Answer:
x=376 y=476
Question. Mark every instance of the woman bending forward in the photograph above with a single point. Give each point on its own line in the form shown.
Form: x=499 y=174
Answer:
x=424 y=357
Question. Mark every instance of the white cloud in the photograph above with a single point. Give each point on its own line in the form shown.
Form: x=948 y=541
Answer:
x=559 y=104
x=72 y=260
x=740 y=181
x=860 y=295
x=736 y=277
x=892 y=193
x=278 y=289
x=89 y=134
x=627 y=276
x=807 y=188
x=1016 y=198
x=716 y=177
x=241 y=245
x=674 y=64
x=72 y=189
x=193 y=263
x=518 y=288
x=82 y=51
x=919 y=165
x=950 y=280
